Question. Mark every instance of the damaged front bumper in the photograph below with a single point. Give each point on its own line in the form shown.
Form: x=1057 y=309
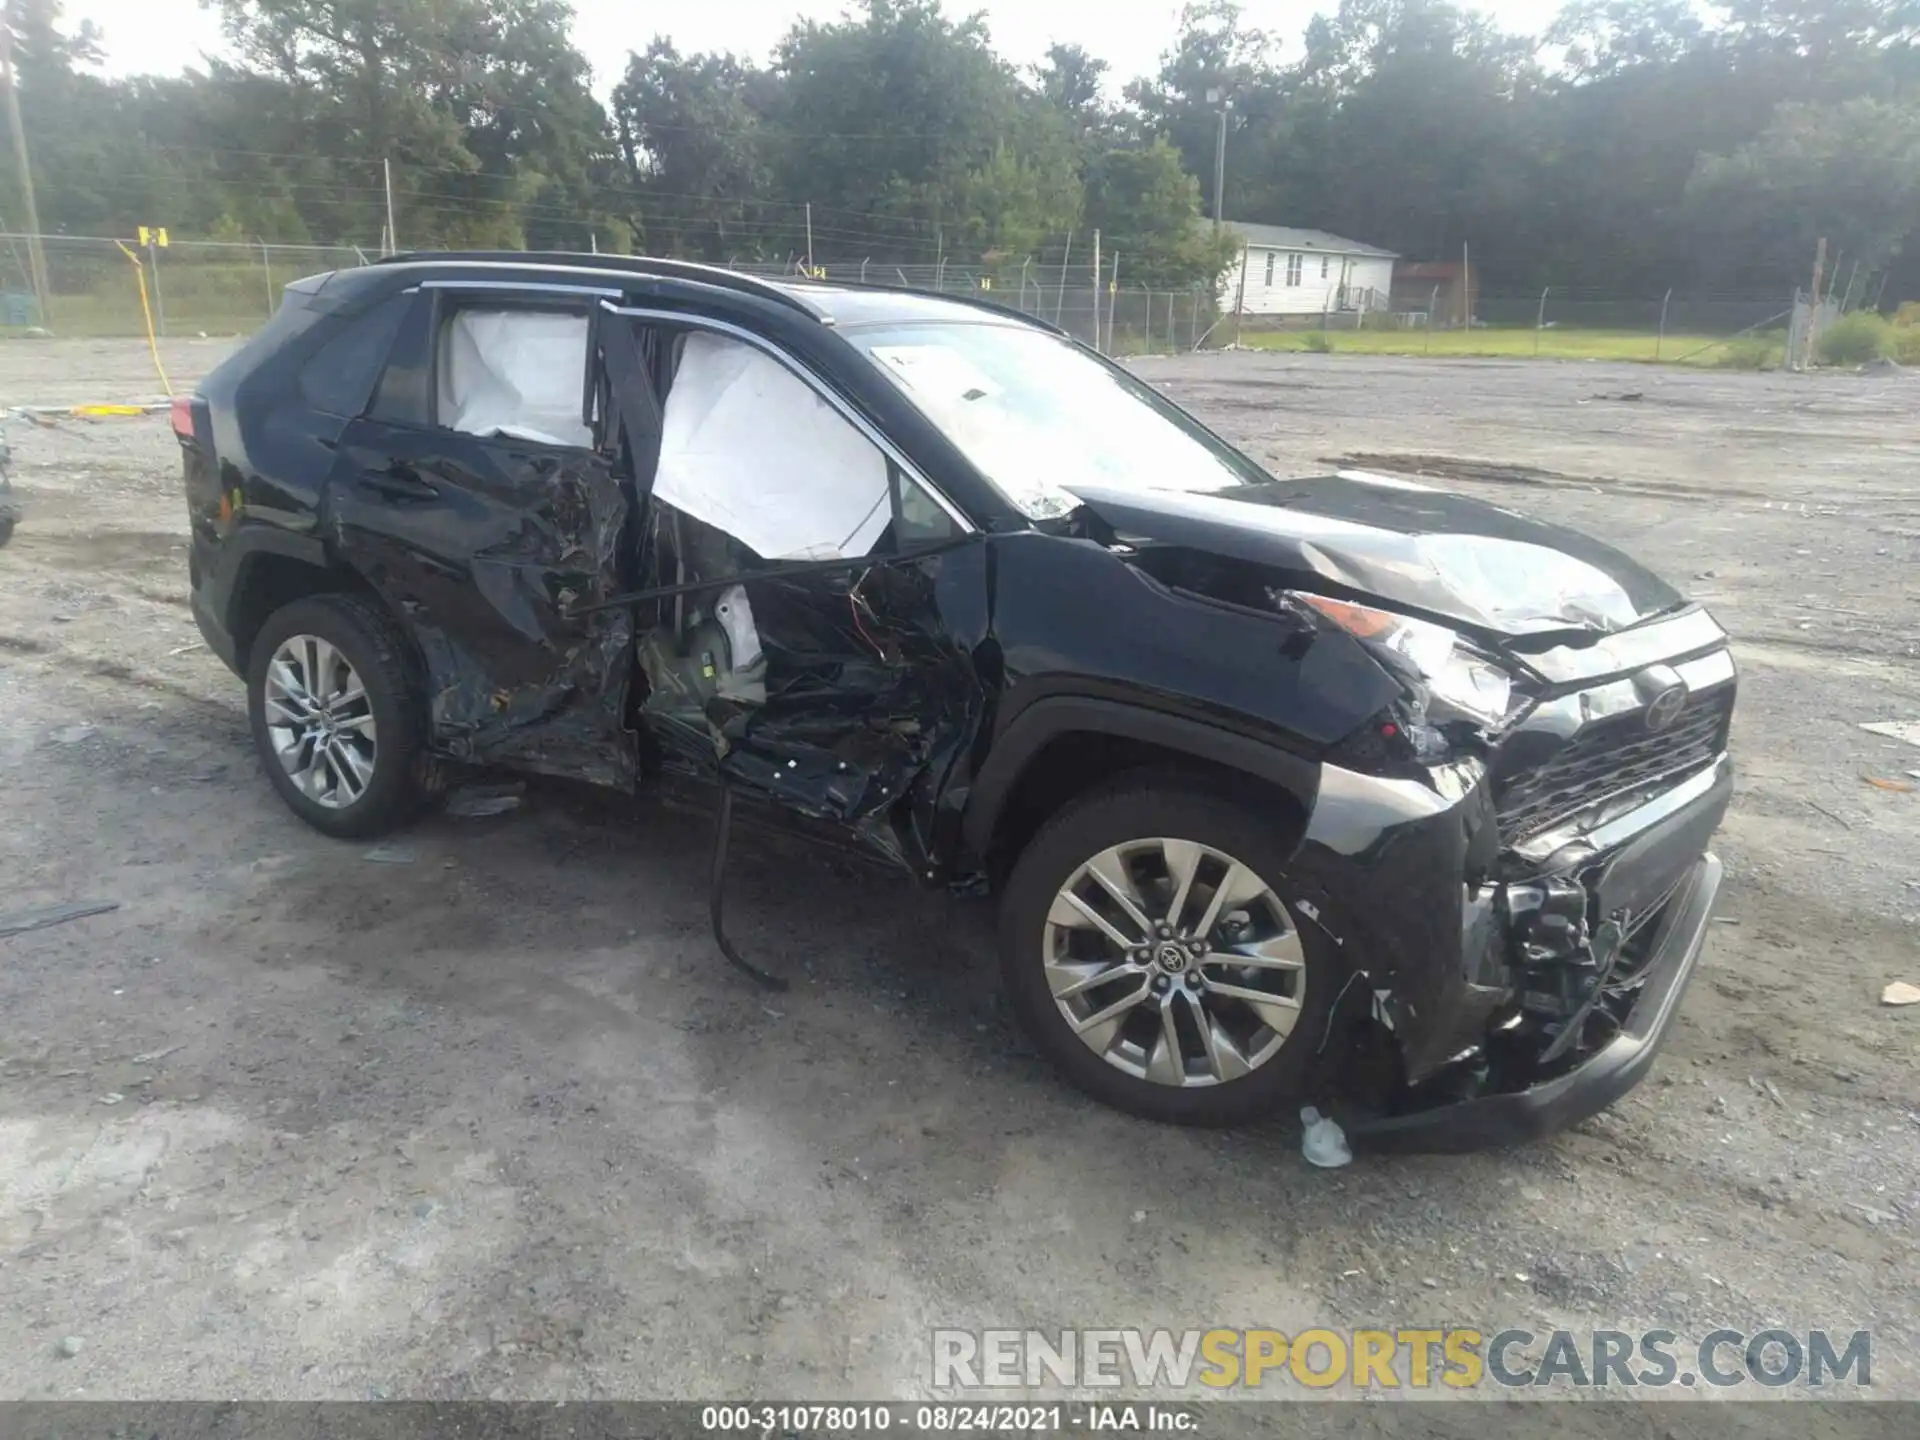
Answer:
x=1525 y=987
x=1511 y=1117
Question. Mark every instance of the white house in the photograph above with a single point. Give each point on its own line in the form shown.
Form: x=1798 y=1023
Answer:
x=1282 y=270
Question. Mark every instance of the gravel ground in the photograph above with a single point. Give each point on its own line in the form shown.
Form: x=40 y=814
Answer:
x=495 y=1121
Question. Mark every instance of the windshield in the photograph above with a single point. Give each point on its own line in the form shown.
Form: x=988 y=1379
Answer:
x=1036 y=415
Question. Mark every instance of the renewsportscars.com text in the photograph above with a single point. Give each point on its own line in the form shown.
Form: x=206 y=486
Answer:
x=1452 y=1358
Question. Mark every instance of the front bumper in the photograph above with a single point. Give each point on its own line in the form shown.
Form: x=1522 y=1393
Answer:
x=1589 y=1088
x=1420 y=896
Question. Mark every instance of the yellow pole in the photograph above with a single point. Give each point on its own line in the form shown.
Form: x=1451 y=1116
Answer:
x=153 y=343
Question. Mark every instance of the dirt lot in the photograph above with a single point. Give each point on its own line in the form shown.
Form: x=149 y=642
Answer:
x=495 y=1121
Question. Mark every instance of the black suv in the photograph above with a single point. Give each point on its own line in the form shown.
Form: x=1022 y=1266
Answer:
x=1342 y=790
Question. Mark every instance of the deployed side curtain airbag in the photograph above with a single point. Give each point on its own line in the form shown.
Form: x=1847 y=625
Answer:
x=517 y=373
x=750 y=449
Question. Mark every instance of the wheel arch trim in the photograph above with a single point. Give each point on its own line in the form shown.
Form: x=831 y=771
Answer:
x=1049 y=718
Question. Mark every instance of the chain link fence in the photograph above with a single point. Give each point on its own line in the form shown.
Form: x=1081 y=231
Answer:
x=196 y=287
x=193 y=287
x=1095 y=308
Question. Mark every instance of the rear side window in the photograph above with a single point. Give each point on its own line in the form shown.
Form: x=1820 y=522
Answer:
x=339 y=377
x=518 y=373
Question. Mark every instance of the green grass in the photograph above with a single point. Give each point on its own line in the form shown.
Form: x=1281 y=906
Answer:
x=1516 y=344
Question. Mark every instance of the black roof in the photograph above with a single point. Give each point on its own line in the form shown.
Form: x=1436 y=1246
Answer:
x=832 y=302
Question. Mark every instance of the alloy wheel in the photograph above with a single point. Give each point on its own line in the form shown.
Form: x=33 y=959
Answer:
x=320 y=719
x=1175 y=962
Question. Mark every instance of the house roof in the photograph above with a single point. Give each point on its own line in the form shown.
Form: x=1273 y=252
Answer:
x=1290 y=237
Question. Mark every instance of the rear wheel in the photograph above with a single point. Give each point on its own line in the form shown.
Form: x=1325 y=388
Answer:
x=1151 y=947
x=338 y=714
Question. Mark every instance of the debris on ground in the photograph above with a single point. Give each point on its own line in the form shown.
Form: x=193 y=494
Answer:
x=70 y=1346
x=1900 y=993
x=1324 y=1143
x=21 y=921
x=1766 y=1088
x=391 y=854
x=1882 y=365
x=72 y=735
x=471 y=802
x=1627 y=396
x=154 y=1057
x=1907 y=730
x=1899 y=787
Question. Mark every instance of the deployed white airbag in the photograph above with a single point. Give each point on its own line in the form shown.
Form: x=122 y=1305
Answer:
x=518 y=373
x=749 y=448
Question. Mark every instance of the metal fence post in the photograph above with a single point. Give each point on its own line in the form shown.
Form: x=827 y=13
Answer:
x=1113 y=298
x=266 y=271
x=1661 y=339
x=1540 y=320
x=159 y=303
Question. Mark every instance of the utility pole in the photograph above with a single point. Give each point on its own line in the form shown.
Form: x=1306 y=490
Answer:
x=36 y=256
x=393 y=235
x=1219 y=97
x=1813 y=300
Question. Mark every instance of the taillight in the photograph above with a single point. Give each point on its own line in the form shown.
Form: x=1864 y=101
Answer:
x=181 y=413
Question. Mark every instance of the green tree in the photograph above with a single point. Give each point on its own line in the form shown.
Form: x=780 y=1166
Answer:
x=1848 y=172
x=694 y=154
x=1073 y=82
x=891 y=122
x=1148 y=209
x=481 y=106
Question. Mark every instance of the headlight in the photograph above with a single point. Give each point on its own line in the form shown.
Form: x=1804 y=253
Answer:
x=1455 y=676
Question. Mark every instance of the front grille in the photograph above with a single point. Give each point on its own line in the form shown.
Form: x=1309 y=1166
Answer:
x=1609 y=757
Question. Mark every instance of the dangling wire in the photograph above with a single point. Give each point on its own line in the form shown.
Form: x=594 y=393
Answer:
x=716 y=890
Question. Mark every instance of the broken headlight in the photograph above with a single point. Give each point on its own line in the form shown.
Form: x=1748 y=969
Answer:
x=1448 y=681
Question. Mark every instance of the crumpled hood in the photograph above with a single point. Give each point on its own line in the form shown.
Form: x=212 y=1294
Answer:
x=1460 y=559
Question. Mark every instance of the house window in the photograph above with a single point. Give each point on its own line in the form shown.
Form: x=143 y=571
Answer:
x=1270 y=268
x=1293 y=268
x=1324 y=263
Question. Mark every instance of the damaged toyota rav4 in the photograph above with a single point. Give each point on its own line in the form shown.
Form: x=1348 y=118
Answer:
x=1339 y=790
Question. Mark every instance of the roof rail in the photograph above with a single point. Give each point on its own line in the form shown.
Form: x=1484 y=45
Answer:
x=643 y=265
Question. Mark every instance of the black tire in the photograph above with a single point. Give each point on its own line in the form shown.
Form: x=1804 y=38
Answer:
x=373 y=644
x=1134 y=809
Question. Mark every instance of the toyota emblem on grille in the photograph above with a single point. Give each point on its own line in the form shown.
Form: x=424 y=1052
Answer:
x=1665 y=707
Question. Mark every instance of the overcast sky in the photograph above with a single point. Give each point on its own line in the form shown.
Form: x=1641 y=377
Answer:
x=168 y=36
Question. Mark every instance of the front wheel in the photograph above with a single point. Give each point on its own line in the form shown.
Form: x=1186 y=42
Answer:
x=1152 y=948
x=338 y=714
